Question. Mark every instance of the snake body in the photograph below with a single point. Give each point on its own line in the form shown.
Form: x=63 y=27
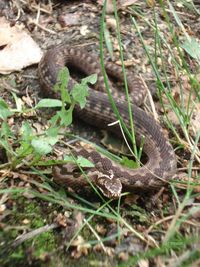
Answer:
x=109 y=176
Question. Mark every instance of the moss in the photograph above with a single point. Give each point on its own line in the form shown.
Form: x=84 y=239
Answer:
x=34 y=248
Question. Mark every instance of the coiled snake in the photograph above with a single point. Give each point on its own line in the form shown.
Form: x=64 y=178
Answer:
x=108 y=175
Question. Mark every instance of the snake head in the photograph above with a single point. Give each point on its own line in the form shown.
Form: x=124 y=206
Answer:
x=110 y=186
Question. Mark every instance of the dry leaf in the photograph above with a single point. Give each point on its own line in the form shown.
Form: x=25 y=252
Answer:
x=143 y=263
x=101 y=229
x=195 y=120
x=120 y=4
x=109 y=6
x=123 y=256
x=2 y=208
x=82 y=247
x=84 y=30
x=186 y=182
x=111 y=23
x=67 y=20
x=151 y=3
x=26 y=221
x=124 y=3
x=19 y=49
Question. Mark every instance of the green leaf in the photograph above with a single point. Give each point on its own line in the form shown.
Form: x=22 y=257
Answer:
x=4 y=144
x=50 y=162
x=18 y=102
x=3 y=104
x=63 y=77
x=43 y=145
x=192 y=47
x=108 y=42
x=5 y=130
x=52 y=140
x=79 y=94
x=26 y=131
x=5 y=113
x=92 y=79
x=69 y=158
x=25 y=149
x=62 y=83
x=83 y=162
x=49 y=103
x=53 y=131
x=4 y=110
x=128 y=163
x=80 y=91
x=53 y=121
x=65 y=116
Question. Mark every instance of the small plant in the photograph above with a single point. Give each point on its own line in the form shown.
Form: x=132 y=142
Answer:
x=30 y=147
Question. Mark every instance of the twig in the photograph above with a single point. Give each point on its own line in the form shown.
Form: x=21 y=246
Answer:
x=20 y=239
x=95 y=234
x=43 y=28
x=155 y=115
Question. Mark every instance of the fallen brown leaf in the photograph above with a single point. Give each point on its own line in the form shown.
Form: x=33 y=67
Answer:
x=18 y=48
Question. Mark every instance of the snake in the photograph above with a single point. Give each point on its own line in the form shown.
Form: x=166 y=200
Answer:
x=108 y=175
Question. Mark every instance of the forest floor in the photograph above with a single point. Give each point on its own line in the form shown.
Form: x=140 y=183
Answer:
x=41 y=224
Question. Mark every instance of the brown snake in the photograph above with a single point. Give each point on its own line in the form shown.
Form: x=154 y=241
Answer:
x=108 y=175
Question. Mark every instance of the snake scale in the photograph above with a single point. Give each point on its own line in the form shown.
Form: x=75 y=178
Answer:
x=109 y=176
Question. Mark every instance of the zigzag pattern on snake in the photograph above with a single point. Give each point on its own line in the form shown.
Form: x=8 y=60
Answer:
x=108 y=175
